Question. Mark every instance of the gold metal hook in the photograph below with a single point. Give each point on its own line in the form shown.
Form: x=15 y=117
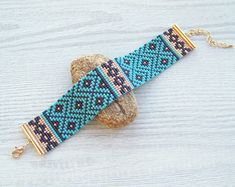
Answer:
x=18 y=151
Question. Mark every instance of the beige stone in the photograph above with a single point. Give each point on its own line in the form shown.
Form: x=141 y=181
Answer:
x=122 y=111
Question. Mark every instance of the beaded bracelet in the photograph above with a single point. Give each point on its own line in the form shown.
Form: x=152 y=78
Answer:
x=101 y=86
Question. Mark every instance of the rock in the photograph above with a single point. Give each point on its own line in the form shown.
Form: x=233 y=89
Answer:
x=122 y=111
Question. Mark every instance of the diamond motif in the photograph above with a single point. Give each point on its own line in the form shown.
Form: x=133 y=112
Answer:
x=81 y=104
x=147 y=62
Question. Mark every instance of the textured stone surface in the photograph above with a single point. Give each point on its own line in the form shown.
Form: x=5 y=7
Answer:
x=121 y=112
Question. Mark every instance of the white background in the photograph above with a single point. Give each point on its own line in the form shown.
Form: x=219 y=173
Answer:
x=184 y=134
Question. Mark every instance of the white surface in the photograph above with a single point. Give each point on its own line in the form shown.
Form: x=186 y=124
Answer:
x=184 y=134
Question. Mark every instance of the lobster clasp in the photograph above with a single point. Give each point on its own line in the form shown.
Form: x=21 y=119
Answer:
x=18 y=151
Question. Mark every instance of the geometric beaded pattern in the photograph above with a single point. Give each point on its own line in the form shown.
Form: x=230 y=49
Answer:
x=43 y=133
x=101 y=86
x=116 y=77
x=177 y=43
x=79 y=105
x=148 y=61
x=74 y=109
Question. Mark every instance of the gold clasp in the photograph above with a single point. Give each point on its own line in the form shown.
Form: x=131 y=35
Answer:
x=18 y=151
x=211 y=41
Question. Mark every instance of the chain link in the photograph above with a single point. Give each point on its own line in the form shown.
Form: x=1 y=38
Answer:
x=212 y=42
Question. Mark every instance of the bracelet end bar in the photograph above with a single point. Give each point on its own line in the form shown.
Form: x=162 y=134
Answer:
x=32 y=139
x=183 y=36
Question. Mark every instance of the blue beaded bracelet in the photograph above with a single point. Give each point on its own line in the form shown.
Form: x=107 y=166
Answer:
x=103 y=85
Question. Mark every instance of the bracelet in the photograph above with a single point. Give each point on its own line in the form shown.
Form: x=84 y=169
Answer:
x=101 y=86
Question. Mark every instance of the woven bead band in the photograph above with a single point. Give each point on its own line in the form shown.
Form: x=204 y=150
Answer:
x=101 y=86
